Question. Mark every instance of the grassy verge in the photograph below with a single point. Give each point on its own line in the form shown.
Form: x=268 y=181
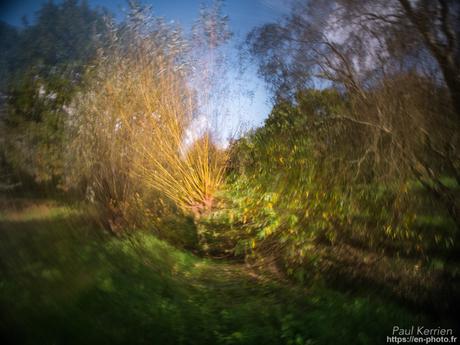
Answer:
x=64 y=282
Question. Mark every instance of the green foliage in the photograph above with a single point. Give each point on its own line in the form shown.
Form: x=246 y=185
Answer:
x=68 y=32
x=35 y=124
x=8 y=41
x=290 y=194
x=44 y=67
x=277 y=193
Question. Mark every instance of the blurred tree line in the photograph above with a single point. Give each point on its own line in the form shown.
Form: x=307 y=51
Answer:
x=42 y=66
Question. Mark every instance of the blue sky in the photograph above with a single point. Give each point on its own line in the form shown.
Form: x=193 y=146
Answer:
x=243 y=14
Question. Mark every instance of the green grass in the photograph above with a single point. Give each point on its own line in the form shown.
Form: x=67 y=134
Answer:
x=64 y=282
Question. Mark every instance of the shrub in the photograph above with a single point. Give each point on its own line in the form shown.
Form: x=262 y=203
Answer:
x=128 y=128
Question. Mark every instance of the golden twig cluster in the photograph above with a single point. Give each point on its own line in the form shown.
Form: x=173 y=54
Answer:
x=135 y=116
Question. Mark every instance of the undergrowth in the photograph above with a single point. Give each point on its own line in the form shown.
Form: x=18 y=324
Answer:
x=64 y=281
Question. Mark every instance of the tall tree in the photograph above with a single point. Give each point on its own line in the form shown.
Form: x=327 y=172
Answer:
x=44 y=71
x=396 y=61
